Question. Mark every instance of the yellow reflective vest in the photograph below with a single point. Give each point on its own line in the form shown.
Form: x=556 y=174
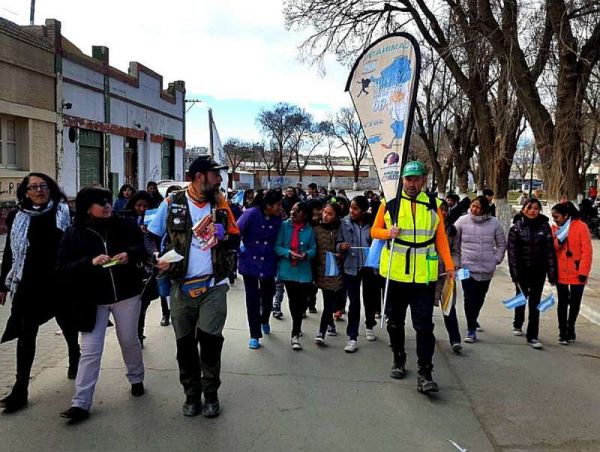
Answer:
x=415 y=258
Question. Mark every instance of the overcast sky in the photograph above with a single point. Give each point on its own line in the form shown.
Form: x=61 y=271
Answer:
x=235 y=55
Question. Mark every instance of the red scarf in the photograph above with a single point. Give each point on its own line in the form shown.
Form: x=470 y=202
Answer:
x=295 y=243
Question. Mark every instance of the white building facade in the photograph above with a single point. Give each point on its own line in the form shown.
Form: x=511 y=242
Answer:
x=117 y=127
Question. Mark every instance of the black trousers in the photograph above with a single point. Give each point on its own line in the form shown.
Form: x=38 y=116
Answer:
x=569 y=302
x=331 y=301
x=298 y=294
x=532 y=289
x=371 y=297
x=259 y=302
x=420 y=298
x=26 y=345
x=312 y=297
x=474 y=293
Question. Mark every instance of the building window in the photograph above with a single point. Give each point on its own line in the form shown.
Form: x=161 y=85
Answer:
x=8 y=143
x=91 y=161
x=167 y=164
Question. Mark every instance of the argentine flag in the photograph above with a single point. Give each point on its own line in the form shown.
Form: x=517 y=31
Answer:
x=238 y=198
x=546 y=303
x=331 y=266
x=149 y=216
x=515 y=302
x=374 y=254
x=462 y=273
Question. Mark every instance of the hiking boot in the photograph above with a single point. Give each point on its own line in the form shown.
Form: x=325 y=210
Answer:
x=425 y=383
x=165 y=320
x=399 y=366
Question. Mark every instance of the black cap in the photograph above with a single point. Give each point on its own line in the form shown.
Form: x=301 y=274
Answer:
x=203 y=164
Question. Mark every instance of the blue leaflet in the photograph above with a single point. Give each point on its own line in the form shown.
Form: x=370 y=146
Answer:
x=331 y=266
x=546 y=303
x=462 y=273
x=515 y=302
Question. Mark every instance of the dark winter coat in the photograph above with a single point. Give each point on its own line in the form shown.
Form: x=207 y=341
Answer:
x=325 y=236
x=258 y=233
x=36 y=299
x=531 y=249
x=92 y=285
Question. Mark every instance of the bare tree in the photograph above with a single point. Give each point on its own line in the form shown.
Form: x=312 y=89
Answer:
x=279 y=125
x=462 y=137
x=307 y=137
x=329 y=161
x=269 y=158
x=346 y=128
x=522 y=162
x=237 y=152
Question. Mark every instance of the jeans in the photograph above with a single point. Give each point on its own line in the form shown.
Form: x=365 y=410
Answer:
x=279 y=291
x=199 y=322
x=474 y=293
x=569 y=302
x=371 y=299
x=420 y=298
x=126 y=314
x=298 y=294
x=259 y=296
x=532 y=288
x=331 y=300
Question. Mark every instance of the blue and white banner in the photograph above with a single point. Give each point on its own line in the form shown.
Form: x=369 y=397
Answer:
x=150 y=215
x=516 y=301
x=238 y=198
x=374 y=254
x=462 y=273
x=331 y=266
x=546 y=303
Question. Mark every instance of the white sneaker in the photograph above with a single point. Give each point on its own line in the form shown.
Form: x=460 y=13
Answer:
x=517 y=332
x=370 y=335
x=351 y=346
x=535 y=344
x=296 y=343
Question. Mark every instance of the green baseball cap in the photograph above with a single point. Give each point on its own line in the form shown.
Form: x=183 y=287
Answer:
x=414 y=168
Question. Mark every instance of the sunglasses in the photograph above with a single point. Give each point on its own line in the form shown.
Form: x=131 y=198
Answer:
x=36 y=187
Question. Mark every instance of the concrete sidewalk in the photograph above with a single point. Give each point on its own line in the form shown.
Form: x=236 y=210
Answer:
x=499 y=395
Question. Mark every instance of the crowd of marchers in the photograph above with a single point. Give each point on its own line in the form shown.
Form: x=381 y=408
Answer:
x=100 y=265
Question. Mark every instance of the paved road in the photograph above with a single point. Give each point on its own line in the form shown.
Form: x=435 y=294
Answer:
x=500 y=395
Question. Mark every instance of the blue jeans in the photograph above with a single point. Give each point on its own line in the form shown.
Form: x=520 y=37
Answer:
x=259 y=296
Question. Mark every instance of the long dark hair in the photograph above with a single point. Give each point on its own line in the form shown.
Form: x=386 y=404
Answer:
x=56 y=194
x=567 y=208
x=125 y=187
x=142 y=194
x=484 y=203
x=264 y=198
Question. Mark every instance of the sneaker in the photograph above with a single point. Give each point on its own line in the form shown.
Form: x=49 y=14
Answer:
x=517 y=331
x=456 y=348
x=278 y=315
x=378 y=315
x=253 y=343
x=211 y=409
x=312 y=310
x=534 y=343
x=266 y=328
x=370 y=335
x=479 y=329
x=351 y=346
x=563 y=341
x=191 y=407
x=320 y=339
x=337 y=315
x=471 y=337
x=296 y=343
x=331 y=331
x=425 y=383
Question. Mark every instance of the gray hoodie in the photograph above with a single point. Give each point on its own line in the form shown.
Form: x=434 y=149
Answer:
x=482 y=244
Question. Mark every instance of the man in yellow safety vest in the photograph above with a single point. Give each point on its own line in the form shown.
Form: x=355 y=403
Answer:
x=416 y=240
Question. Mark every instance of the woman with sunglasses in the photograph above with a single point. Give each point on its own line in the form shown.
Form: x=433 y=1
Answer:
x=28 y=273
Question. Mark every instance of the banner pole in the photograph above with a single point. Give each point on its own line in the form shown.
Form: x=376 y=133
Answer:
x=387 y=281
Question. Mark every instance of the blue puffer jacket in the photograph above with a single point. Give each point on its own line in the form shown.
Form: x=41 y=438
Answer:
x=301 y=272
x=258 y=233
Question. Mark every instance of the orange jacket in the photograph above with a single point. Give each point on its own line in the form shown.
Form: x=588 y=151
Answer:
x=575 y=255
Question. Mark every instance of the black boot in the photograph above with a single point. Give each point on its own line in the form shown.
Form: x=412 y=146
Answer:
x=399 y=366
x=16 y=400
x=166 y=320
x=425 y=383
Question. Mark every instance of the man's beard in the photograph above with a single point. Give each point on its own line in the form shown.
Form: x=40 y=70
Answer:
x=209 y=192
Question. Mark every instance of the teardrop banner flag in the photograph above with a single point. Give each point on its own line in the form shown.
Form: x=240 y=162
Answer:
x=383 y=86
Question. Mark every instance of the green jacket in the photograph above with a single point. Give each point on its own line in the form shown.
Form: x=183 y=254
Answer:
x=301 y=272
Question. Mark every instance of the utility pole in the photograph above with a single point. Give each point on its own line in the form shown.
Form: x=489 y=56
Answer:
x=32 y=13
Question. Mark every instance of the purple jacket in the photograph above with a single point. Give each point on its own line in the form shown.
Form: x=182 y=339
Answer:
x=257 y=253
